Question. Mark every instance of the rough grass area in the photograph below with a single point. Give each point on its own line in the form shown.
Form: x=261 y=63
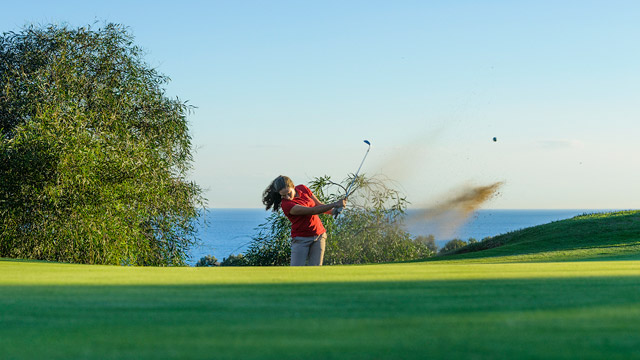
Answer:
x=435 y=310
x=613 y=235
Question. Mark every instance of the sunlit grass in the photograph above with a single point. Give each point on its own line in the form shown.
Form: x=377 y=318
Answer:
x=614 y=235
x=564 y=290
x=42 y=273
x=413 y=310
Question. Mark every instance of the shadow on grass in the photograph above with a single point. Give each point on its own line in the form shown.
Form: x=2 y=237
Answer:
x=29 y=261
x=587 y=317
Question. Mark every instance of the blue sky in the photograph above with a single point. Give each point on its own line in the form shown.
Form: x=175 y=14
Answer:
x=293 y=87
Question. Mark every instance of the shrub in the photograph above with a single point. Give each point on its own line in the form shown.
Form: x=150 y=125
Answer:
x=272 y=244
x=208 y=260
x=234 y=260
x=452 y=245
x=429 y=241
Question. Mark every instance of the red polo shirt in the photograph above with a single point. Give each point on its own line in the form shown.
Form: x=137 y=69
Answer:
x=302 y=225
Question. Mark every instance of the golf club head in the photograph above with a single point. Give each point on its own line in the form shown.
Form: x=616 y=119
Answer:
x=367 y=142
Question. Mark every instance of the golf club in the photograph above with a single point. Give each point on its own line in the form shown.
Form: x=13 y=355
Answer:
x=337 y=211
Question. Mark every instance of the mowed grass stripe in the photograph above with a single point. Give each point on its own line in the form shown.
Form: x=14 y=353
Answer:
x=42 y=273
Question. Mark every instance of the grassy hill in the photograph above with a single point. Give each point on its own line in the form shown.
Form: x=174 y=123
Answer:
x=614 y=235
x=462 y=309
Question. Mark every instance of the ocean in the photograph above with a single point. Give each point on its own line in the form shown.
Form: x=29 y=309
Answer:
x=230 y=230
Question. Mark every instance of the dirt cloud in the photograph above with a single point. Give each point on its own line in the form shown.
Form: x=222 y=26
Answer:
x=443 y=219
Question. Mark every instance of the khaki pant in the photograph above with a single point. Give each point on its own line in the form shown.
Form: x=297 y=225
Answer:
x=311 y=248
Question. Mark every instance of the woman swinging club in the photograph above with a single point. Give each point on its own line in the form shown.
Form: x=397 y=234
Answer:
x=301 y=207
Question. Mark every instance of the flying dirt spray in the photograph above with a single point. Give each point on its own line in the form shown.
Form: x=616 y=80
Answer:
x=445 y=217
x=442 y=220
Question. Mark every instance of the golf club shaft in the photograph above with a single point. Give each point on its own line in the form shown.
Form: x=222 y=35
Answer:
x=357 y=172
x=337 y=211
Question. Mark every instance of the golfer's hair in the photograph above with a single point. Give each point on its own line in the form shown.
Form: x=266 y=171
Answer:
x=271 y=196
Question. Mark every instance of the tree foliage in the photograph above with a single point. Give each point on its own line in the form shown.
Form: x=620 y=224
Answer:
x=429 y=241
x=93 y=155
x=452 y=245
x=369 y=230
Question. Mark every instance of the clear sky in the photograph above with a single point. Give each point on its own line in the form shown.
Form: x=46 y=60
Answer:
x=294 y=87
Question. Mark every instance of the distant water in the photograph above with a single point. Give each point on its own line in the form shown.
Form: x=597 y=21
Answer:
x=230 y=230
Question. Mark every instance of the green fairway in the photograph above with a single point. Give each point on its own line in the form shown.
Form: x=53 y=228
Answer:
x=442 y=310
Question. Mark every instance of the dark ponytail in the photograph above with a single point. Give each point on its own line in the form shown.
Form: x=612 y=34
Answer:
x=271 y=196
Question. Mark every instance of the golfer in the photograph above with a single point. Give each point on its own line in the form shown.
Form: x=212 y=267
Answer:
x=301 y=207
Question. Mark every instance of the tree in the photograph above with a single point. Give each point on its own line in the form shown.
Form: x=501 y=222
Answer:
x=369 y=230
x=93 y=155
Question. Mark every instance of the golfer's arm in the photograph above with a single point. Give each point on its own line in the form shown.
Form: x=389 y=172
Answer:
x=313 y=210
x=318 y=202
